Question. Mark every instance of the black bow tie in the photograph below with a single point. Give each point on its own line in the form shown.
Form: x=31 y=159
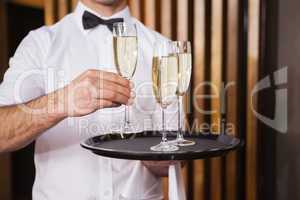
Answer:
x=90 y=21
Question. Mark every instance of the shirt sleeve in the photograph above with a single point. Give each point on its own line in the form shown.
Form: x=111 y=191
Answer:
x=23 y=81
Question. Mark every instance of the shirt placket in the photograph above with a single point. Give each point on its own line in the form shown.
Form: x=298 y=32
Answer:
x=105 y=164
x=102 y=39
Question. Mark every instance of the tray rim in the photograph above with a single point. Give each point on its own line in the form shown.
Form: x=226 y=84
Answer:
x=160 y=156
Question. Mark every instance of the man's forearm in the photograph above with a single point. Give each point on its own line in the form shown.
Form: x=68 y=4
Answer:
x=89 y=92
x=21 y=124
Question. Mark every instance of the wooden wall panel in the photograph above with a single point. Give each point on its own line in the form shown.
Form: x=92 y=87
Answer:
x=74 y=4
x=63 y=8
x=216 y=59
x=30 y=3
x=50 y=12
x=232 y=63
x=3 y=40
x=150 y=13
x=57 y=9
x=182 y=20
x=5 y=179
x=232 y=94
x=166 y=18
x=182 y=35
x=252 y=78
x=135 y=7
x=216 y=84
x=5 y=159
x=198 y=78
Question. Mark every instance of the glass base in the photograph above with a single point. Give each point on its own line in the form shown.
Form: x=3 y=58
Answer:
x=164 y=147
x=183 y=142
x=128 y=128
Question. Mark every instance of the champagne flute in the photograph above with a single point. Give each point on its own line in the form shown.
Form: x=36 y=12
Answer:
x=164 y=78
x=125 y=45
x=184 y=54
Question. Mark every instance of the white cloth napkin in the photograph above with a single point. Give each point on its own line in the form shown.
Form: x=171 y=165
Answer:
x=176 y=184
x=139 y=179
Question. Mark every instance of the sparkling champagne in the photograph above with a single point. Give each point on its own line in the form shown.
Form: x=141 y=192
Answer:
x=184 y=72
x=165 y=79
x=126 y=52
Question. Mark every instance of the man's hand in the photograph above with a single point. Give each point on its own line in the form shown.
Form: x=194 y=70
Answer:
x=160 y=168
x=93 y=90
x=89 y=92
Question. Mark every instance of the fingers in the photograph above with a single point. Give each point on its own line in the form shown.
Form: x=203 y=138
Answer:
x=109 y=76
x=112 y=96
x=108 y=85
x=116 y=79
x=102 y=103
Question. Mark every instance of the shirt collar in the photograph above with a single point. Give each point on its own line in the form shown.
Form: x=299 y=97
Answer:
x=125 y=14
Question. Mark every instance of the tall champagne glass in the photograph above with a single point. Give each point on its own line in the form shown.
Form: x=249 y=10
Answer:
x=125 y=45
x=184 y=54
x=164 y=78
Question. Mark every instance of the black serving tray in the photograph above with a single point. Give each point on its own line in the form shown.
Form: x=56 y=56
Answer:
x=136 y=146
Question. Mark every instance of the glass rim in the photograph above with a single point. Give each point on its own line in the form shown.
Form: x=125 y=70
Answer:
x=182 y=46
x=119 y=23
x=123 y=24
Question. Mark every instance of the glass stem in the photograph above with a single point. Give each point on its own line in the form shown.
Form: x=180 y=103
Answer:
x=179 y=134
x=126 y=116
x=164 y=134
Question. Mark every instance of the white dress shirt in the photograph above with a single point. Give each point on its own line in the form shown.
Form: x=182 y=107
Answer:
x=48 y=59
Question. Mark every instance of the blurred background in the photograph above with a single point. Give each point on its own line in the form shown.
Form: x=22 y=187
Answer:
x=239 y=41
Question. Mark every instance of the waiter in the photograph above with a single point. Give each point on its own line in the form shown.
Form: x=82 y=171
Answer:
x=60 y=89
